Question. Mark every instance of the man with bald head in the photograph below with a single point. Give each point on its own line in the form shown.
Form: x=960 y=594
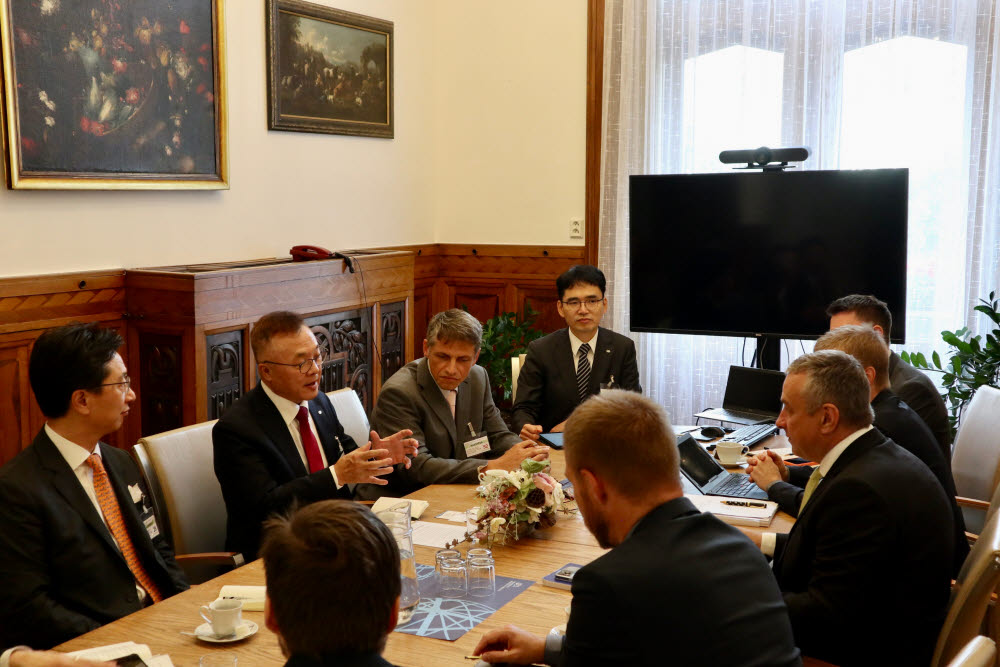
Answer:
x=870 y=555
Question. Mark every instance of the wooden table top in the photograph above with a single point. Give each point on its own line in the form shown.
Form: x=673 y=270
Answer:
x=538 y=609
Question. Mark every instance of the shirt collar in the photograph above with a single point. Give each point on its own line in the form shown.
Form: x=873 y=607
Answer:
x=834 y=454
x=286 y=408
x=74 y=454
x=575 y=343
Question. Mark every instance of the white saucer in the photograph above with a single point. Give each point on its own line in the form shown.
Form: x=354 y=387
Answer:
x=738 y=464
x=204 y=633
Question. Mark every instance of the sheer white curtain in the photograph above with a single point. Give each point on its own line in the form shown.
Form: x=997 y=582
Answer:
x=863 y=83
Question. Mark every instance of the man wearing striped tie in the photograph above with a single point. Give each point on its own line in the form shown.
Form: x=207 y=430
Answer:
x=79 y=545
x=870 y=554
x=565 y=367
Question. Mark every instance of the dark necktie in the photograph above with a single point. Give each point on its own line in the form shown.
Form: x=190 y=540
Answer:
x=583 y=370
x=309 y=444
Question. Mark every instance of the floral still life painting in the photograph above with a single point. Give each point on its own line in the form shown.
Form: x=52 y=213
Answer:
x=114 y=94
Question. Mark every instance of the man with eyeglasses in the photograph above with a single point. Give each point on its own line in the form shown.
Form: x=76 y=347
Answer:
x=282 y=443
x=79 y=545
x=565 y=367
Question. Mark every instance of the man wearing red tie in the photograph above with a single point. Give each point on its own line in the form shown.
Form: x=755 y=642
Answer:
x=282 y=443
x=79 y=545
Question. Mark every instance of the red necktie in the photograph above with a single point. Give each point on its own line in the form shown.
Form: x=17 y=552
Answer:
x=112 y=514
x=309 y=443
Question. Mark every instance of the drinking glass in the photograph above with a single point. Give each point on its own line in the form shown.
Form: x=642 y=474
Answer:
x=409 y=595
x=453 y=578
x=443 y=555
x=479 y=552
x=482 y=577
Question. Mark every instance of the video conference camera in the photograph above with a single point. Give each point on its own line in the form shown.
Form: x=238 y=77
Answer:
x=768 y=159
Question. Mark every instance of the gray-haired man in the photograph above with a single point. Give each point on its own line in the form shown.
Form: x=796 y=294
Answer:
x=445 y=399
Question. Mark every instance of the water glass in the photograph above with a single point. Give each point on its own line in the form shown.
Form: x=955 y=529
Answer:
x=478 y=552
x=453 y=583
x=443 y=555
x=482 y=577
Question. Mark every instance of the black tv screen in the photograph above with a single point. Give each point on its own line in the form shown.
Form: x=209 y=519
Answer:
x=764 y=253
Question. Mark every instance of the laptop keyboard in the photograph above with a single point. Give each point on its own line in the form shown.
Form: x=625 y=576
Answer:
x=751 y=435
x=736 y=485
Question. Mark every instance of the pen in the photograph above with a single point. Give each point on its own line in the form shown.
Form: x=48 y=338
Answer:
x=743 y=503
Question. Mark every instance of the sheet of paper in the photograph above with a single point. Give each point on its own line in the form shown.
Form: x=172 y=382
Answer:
x=417 y=507
x=452 y=515
x=251 y=596
x=428 y=534
x=114 y=651
x=159 y=661
x=736 y=514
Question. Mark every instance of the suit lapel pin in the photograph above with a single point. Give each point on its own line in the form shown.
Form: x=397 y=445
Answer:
x=319 y=412
x=607 y=351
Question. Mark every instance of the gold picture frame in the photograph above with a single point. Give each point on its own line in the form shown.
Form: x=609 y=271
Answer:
x=124 y=95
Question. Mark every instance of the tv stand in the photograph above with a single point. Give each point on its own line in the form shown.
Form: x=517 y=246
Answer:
x=768 y=354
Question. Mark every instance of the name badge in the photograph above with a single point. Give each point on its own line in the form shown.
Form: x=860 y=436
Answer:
x=149 y=521
x=477 y=446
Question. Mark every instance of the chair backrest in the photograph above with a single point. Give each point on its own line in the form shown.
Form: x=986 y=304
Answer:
x=975 y=460
x=515 y=369
x=179 y=472
x=980 y=652
x=970 y=595
x=351 y=414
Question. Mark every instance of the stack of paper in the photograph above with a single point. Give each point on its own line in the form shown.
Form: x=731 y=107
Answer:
x=736 y=511
x=251 y=596
x=115 y=651
x=417 y=507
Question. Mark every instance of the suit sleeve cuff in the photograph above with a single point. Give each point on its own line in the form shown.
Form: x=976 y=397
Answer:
x=335 y=481
x=768 y=541
x=553 y=648
x=5 y=657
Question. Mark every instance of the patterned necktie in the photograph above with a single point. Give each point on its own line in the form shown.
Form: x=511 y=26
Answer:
x=309 y=444
x=583 y=371
x=116 y=524
x=814 y=479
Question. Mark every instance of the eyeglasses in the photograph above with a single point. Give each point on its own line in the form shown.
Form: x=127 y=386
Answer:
x=303 y=367
x=589 y=304
x=124 y=384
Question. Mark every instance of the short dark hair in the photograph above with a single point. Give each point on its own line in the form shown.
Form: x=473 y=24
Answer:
x=278 y=323
x=625 y=438
x=455 y=326
x=69 y=358
x=581 y=274
x=332 y=573
x=867 y=307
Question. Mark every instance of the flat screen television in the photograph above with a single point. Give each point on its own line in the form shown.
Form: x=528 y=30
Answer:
x=750 y=254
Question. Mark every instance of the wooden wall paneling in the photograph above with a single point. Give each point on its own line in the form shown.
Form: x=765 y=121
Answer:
x=483 y=300
x=345 y=338
x=542 y=298
x=225 y=360
x=421 y=312
x=594 y=122
x=16 y=428
x=392 y=333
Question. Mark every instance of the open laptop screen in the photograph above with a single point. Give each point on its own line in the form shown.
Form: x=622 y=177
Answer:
x=695 y=461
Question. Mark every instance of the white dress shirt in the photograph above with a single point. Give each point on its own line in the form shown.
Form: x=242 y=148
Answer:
x=76 y=458
x=768 y=541
x=574 y=345
x=289 y=411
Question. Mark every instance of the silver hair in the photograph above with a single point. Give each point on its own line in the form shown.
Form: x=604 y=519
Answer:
x=835 y=377
x=455 y=325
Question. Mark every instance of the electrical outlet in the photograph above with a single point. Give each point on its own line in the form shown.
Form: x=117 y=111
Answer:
x=576 y=228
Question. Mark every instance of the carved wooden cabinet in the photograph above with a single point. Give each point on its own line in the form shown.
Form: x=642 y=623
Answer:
x=189 y=328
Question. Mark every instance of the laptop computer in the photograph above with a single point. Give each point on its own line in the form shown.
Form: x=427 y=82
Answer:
x=708 y=475
x=753 y=396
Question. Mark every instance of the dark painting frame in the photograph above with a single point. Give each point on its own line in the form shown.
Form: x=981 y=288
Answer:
x=329 y=71
x=114 y=94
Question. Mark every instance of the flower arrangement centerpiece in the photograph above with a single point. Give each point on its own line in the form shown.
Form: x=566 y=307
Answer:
x=513 y=503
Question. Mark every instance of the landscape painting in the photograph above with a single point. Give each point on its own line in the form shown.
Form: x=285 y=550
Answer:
x=113 y=94
x=328 y=70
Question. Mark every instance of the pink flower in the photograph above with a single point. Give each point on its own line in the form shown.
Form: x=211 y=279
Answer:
x=84 y=123
x=544 y=482
x=185 y=28
x=132 y=95
x=118 y=66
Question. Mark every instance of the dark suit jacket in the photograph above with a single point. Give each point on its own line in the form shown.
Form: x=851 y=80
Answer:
x=869 y=557
x=412 y=399
x=339 y=660
x=684 y=589
x=900 y=424
x=918 y=391
x=260 y=470
x=546 y=386
x=61 y=574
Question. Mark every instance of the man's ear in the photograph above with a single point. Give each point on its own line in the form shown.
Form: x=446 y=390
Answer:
x=269 y=620
x=831 y=418
x=870 y=372
x=427 y=348
x=393 y=616
x=880 y=330
x=79 y=401
x=595 y=486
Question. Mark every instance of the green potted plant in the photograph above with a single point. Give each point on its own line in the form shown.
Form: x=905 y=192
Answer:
x=972 y=364
x=504 y=337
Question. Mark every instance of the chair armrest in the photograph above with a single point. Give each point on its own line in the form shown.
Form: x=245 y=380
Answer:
x=972 y=503
x=230 y=558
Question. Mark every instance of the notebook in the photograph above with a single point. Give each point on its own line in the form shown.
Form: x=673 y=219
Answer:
x=753 y=395
x=708 y=475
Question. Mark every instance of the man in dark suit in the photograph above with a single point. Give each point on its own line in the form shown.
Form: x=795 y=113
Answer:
x=556 y=376
x=79 y=545
x=893 y=418
x=871 y=553
x=445 y=399
x=282 y=443
x=317 y=558
x=910 y=384
x=678 y=587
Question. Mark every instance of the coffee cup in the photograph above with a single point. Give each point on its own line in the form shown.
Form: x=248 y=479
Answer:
x=731 y=453
x=224 y=616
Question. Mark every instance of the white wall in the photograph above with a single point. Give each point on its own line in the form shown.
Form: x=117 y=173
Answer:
x=489 y=148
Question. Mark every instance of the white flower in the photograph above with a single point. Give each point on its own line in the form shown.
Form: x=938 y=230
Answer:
x=496 y=524
x=49 y=7
x=50 y=121
x=134 y=491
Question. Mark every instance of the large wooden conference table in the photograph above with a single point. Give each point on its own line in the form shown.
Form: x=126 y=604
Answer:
x=538 y=609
